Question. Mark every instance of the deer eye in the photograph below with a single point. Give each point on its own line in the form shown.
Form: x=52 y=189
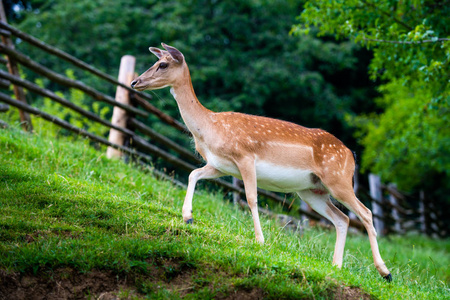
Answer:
x=163 y=65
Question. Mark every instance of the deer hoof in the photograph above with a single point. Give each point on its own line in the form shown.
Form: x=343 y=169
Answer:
x=190 y=221
x=388 y=277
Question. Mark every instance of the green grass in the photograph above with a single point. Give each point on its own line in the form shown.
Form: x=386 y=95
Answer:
x=64 y=205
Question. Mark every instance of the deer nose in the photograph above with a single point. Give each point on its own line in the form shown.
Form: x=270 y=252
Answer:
x=134 y=82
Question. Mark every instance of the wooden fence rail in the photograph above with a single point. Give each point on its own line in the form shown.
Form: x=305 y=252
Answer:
x=60 y=79
x=8 y=29
x=161 y=115
x=144 y=129
x=66 y=125
x=390 y=212
x=46 y=93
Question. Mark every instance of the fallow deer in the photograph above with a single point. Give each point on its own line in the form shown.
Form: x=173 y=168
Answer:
x=272 y=154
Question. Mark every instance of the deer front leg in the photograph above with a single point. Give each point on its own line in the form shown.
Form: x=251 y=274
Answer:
x=248 y=173
x=207 y=172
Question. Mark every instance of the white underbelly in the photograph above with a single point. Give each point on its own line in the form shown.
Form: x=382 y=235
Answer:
x=269 y=176
x=281 y=178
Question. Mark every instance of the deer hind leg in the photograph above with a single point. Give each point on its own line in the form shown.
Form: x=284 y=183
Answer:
x=207 y=172
x=323 y=205
x=343 y=192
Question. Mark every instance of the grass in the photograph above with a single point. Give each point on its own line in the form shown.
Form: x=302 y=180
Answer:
x=64 y=206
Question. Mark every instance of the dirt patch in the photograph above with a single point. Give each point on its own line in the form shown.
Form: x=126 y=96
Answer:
x=59 y=284
x=67 y=283
x=350 y=293
x=171 y=275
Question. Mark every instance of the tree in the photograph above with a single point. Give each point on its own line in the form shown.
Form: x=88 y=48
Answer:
x=409 y=142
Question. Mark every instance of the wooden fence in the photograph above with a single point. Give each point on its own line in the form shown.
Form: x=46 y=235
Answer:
x=388 y=213
x=395 y=212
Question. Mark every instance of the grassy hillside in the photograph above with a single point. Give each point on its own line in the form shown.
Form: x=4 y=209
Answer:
x=74 y=224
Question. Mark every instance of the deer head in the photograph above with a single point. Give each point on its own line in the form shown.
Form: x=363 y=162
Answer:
x=165 y=72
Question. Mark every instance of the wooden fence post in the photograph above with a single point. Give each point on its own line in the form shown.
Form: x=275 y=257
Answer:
x=120 y=116
x=395 y=214
x=377 y=196
x=423 y=219
x=25 y=118
x=436 y=219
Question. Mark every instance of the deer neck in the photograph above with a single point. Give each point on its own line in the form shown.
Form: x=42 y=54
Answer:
x=194 y=114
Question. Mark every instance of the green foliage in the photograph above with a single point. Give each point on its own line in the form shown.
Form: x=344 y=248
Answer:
x=240 y=54
x=409 y=141
x=81 y=100
x=78 y=98
x=411 y=137
x=65 y=206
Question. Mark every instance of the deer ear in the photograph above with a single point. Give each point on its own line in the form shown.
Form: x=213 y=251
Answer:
x=176 y=55
x=158 y=52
